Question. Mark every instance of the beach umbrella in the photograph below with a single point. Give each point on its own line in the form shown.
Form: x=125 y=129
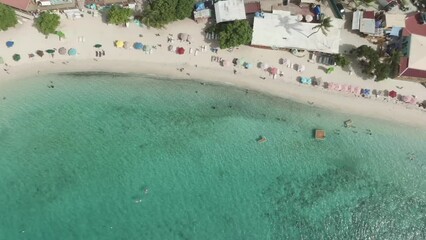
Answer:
x=1 y=60
x=264 y=66
x=40 y=53
x=60 y=34
x=226 y=63
x=337 y=87
x=273 y=70
x=50 y=51
x=356 y=90
x=97 y=45
x=349 y=89
x=138 y=45
x=188 y=38
x=31 y=55
x=171 y=48
x=301 y=68
x=9 y=44
x=16 y=57
x=183 y=36
x=413 y=100
x=309 y=18
x=248 y=65
x=393 y=94
x=285 y=61
x=379 y=93
x=330 y=70
x=344 y=87
x=126 y=45
x=62 y=51
x=119 y=44
x=299 y=17
x=72 y=52
x=406 y=98
x=180 y=50
x=241 y=61
x=148 y=48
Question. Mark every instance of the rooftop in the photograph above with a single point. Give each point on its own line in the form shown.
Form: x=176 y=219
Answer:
x=282 y=30
x=415 y=64
x=229 y=10
x=413 y=26
x=19 y=4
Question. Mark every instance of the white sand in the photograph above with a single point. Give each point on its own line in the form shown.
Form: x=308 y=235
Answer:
x=164 y=63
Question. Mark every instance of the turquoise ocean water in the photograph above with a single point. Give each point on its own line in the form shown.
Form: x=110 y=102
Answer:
x=112 y=156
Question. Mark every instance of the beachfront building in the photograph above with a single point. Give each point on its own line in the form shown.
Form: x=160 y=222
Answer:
x=413 y=63
x=34 y=5
x=364 y=21
x=229 y=10
x=202 y=12
x=281 y=29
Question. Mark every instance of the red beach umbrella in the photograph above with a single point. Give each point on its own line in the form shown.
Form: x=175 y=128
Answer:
x=274 y=70
x=180 y=50
x=392 y=94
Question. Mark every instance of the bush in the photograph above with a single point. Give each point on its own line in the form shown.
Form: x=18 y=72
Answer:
x=119 y=15
x=47 y=22
x=7 y=17
x=158 y=13
x=341 y=60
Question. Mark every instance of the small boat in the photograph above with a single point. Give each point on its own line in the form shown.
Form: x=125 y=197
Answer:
x=262 y=139
x=319 y=134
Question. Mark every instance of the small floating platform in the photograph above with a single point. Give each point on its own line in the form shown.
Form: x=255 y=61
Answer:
x=261 y=139
x=319 y=134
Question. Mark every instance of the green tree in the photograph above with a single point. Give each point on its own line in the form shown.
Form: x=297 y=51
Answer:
x=7 y=17
x=341 y=60
x=381 y=71
x=234 y=34
x=324 y=26
x=158 y=13
x=119 y=15
x=394 y=63
x=47 y=22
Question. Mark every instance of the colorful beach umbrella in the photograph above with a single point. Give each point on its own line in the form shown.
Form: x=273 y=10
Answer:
x=50 y=51
x=393 y=94
x=40 y=53
x=273 y=70
x=16 y=57
x=248 y=65
x=330 y=70
x=119 y=44
x=148 y=48
x=97 y=45
x=62 y=51
x=72 y=52
x=180 y=50
x=9 y=44
x=60 y=34
x=138 y=45
x=126 y=45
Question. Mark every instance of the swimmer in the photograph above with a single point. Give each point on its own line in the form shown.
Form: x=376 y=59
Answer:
x=145 y=191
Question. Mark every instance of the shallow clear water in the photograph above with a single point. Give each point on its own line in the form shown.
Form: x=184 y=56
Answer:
x=112 y=156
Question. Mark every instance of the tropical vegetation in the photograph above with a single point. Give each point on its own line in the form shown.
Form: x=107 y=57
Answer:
x=158 y=13
x=47 y=22
x=341 y=60
x=371 y=64
x=324 y=26
x=7 y=17
x=119 y=15
x=234 y=34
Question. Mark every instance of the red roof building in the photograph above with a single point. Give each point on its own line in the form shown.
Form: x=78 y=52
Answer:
x=413 y=26
x=19 y=4
x=413 y=65
x=252 y=7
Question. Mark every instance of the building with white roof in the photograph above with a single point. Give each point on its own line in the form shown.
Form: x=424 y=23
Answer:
x=229 y=10
x=414 y=64
x=280 y=29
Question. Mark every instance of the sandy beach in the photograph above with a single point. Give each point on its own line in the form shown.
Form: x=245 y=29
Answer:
x=84 y=33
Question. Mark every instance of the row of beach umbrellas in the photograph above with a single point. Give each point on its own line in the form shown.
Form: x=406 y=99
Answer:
x=136 y=45
x=72 y=52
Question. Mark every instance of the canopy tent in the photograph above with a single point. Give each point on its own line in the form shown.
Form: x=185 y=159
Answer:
x=138 y=45
x=97 y=45
x=119 y=44
x=10 y=44
x=40 y=53
x=62 y=51
x=393 y=94
x=16 y=57
x=126 y=45
x=72 y=52
x=180 y=50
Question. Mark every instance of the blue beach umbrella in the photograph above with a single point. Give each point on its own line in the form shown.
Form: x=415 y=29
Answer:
x=248 y=65
x=138 y=45
x=9 y=44
x=72 y=52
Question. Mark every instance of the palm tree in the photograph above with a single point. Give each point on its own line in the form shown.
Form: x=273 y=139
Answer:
x=324 y=26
